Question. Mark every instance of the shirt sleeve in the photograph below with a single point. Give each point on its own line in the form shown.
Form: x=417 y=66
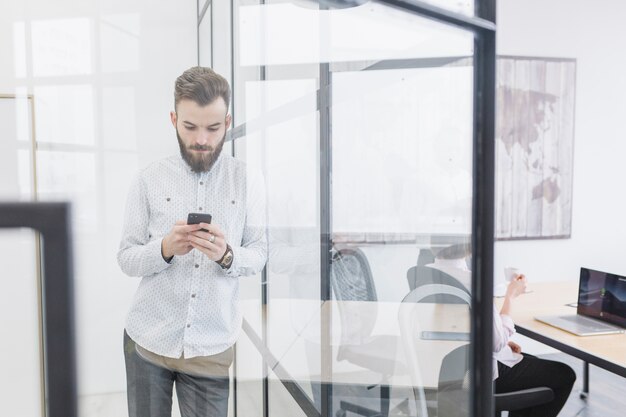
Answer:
x=503 y=329
x=139 y=254
x=250 y=255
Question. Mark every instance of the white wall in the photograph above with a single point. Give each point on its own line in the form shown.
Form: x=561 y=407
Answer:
x=102 y=72
x=594 y=33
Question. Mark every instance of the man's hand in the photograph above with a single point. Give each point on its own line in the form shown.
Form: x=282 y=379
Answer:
x=212 y=242
x=176 y=242
x=515 y=347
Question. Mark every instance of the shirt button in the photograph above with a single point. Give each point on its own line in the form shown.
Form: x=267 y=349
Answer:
x=189 y=325
x=201 y=183
x=193 y=296
x=200 y=208
x=197 y=266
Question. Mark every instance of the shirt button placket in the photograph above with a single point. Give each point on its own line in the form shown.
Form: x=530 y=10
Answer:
x=200 y=196
x=196 y=275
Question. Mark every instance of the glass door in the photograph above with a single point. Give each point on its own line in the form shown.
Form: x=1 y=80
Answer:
x=371 y=123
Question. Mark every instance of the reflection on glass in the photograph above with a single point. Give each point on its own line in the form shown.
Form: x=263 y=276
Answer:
x=283 y=33
x=119 y=118
x=19 y=49
x=23 y=116
x=395 y=104
x=16 y=148
x=119 y=42
x=61 y=47
x=205 y=48
x=25 y=174
x=65 y=114
x=70 y=176
x=286 y=149
x=402 y=151
x=465 y=7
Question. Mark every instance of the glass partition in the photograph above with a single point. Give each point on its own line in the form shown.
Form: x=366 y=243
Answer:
x=358 y=117
x=20 y=322
x=465 y=7
x=366 y=147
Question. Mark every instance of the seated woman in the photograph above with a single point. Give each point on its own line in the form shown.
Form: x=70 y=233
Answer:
x=512 y=369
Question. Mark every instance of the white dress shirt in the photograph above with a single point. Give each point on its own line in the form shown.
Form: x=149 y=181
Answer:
x=190 y=306
x=503 y=326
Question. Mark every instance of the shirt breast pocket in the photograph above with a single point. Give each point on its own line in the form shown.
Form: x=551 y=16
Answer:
x=164 y=213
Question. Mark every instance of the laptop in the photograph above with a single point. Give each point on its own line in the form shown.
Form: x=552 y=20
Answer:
x=601 y=306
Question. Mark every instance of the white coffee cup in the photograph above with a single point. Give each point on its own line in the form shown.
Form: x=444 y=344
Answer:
x=511 y=273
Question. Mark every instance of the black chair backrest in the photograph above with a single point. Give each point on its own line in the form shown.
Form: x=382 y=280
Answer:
x=351 y=280
x=423 y=275
x=351 y=277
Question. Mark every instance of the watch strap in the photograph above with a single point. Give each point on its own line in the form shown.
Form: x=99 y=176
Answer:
x=221 y=262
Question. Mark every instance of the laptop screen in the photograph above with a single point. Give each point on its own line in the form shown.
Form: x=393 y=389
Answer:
x=602 y=296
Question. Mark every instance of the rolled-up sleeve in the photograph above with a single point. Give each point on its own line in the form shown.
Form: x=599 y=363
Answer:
x=503 y=329
x=139 y=254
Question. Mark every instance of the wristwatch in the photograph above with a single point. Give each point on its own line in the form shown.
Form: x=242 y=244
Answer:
x=227 y=259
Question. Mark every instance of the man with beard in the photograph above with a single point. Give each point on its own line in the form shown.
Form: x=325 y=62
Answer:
x=185 y=316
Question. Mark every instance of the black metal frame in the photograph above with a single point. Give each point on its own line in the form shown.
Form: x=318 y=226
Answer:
x=483 y=222
x=482 y=25
x=324 y=105
x=484 y=29
x=52 y=220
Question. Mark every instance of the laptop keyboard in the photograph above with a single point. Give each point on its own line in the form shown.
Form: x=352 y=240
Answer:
x=588 y=323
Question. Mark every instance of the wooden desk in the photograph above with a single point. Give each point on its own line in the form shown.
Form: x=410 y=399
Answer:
x=606 y=351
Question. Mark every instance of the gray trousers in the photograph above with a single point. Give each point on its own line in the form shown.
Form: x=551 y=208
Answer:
x=149 y=389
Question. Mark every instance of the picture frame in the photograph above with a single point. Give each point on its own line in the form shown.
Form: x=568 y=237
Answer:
x=535 y=105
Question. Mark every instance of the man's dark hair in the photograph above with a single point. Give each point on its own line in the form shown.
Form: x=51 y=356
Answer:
x=202 y=85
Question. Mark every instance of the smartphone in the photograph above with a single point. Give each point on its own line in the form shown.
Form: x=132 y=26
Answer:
x=195 y=218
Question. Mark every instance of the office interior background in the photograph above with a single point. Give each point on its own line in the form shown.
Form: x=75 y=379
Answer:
x=101 y=77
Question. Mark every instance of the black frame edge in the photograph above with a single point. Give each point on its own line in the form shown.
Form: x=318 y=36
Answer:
x=483 y=213
x=52 y=220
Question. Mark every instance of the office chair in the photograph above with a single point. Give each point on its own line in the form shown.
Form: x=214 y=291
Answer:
x=411 y=327
x=422 y=275
x=453 y=382
x=351 y=280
